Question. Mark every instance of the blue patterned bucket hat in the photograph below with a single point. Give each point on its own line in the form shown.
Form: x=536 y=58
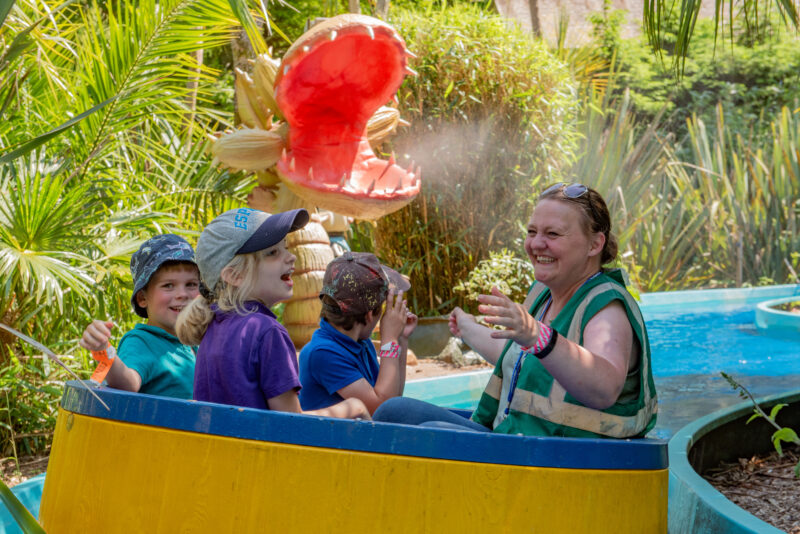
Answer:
x=152 y=255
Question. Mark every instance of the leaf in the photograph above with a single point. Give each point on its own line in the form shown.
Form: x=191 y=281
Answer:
x=242 y=12
x=784 y=434
x=449 y=88
x=754 y=416
x=33 y=143
x=21 y=514
x=775 y=410
x=5 y=9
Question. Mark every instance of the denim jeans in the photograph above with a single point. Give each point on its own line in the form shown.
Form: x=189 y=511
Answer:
x=408 y=411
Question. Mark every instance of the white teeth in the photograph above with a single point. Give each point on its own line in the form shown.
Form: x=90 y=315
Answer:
x=544 y=259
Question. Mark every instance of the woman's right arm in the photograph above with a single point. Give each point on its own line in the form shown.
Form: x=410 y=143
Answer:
x=476 y=335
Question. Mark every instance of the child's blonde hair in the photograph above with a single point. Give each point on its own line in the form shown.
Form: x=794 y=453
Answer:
x=194 y=319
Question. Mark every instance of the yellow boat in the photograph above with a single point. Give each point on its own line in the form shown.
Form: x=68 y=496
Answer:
x=153 y=464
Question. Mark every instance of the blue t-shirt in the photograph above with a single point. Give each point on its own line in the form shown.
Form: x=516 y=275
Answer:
x=164 y=363
x=244 y=360
x=332 y=361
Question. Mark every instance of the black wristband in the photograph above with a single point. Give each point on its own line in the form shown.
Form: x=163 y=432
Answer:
x=549 y=347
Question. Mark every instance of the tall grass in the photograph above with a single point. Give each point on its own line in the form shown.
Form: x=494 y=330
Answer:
x=753 y=188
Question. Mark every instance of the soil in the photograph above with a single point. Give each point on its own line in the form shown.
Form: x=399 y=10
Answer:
x=791 y=307
x=763 y=485
x=30 y=466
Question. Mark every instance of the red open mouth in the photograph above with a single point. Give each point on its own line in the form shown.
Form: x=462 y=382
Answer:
x=330 y=83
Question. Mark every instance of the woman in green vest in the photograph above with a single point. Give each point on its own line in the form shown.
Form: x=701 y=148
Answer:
x=574 y=358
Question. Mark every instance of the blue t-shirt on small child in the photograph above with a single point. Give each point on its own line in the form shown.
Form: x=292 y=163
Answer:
x=165 y=365
x=245 y=360
x=332 y=361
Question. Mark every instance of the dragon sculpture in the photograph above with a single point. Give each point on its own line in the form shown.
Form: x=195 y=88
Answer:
x=310 y=124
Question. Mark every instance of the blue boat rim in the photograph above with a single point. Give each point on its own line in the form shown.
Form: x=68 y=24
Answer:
x=366 y=436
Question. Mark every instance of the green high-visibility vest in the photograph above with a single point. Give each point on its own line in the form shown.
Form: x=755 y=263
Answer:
x=541 y=406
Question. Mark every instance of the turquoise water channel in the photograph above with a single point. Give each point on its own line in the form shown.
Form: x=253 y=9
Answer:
x=694 y=335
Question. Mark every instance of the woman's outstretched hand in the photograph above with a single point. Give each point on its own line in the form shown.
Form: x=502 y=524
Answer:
x=456 y=321
x=500 y=310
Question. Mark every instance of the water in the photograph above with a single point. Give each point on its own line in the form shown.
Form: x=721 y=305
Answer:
x=694 y=335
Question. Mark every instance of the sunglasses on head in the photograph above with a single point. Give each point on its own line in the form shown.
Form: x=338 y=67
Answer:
x=573 y=190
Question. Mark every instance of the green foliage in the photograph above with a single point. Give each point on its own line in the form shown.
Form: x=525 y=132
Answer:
x=606 y=29
x=752 y=188
x=781 y=434
x=512 y=275
x=74 y=209
x=745 y=21
x=490 y=114
x=752 y=82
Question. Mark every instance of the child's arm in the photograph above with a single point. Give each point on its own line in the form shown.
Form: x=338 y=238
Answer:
x=392 y=374
x=411 y=324
x=347 y=409
x=96 y=338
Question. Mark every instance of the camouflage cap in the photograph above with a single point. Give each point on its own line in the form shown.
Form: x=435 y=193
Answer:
x=151 y=255
x=358 y=282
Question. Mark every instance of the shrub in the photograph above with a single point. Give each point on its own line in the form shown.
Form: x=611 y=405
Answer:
x=752 y=81
x=512 y=275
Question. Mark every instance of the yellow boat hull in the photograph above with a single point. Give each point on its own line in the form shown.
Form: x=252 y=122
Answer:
x=110 y=474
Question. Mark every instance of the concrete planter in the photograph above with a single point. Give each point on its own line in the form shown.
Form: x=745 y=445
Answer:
x=769 y=319
x=430 y=336
x=695 y=506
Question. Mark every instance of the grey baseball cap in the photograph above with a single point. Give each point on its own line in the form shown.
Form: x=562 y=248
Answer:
x=241 y=231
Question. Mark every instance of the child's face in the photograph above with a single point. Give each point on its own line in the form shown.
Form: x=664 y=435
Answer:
x=274 y=275
x=169 y=290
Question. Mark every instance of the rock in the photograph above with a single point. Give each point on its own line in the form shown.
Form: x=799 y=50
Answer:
x=473 y=358
x=452 y=353
x=411 y=358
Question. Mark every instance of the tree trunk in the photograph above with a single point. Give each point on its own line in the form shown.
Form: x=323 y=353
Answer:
x=241 y=50
x=382 y=9
x=536 y=26
x=191 y=98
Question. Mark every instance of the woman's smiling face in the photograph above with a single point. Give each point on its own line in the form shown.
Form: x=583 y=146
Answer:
x=561 y=251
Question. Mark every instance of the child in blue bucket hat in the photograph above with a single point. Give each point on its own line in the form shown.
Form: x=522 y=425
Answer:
x=150 y=358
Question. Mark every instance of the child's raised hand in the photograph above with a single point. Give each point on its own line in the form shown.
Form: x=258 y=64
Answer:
x=411 y=324
x=96 y=336
x=394 y=318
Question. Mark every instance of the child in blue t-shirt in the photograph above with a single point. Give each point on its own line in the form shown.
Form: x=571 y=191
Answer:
x=245 y=356
x=151 y=359
x=340 y=361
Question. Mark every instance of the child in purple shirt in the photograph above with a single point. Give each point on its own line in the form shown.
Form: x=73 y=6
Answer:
x=245 y=356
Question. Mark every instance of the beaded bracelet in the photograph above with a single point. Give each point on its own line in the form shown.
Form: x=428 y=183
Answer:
x=545 y=342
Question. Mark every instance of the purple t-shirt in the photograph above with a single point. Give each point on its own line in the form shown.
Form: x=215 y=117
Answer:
x=244 y=360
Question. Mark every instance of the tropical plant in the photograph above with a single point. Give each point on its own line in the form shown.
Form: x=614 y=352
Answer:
x=749 y=20
x=753 y=190
x=73 y=209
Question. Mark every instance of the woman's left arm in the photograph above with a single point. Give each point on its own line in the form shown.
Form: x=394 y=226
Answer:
x=593 y=373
